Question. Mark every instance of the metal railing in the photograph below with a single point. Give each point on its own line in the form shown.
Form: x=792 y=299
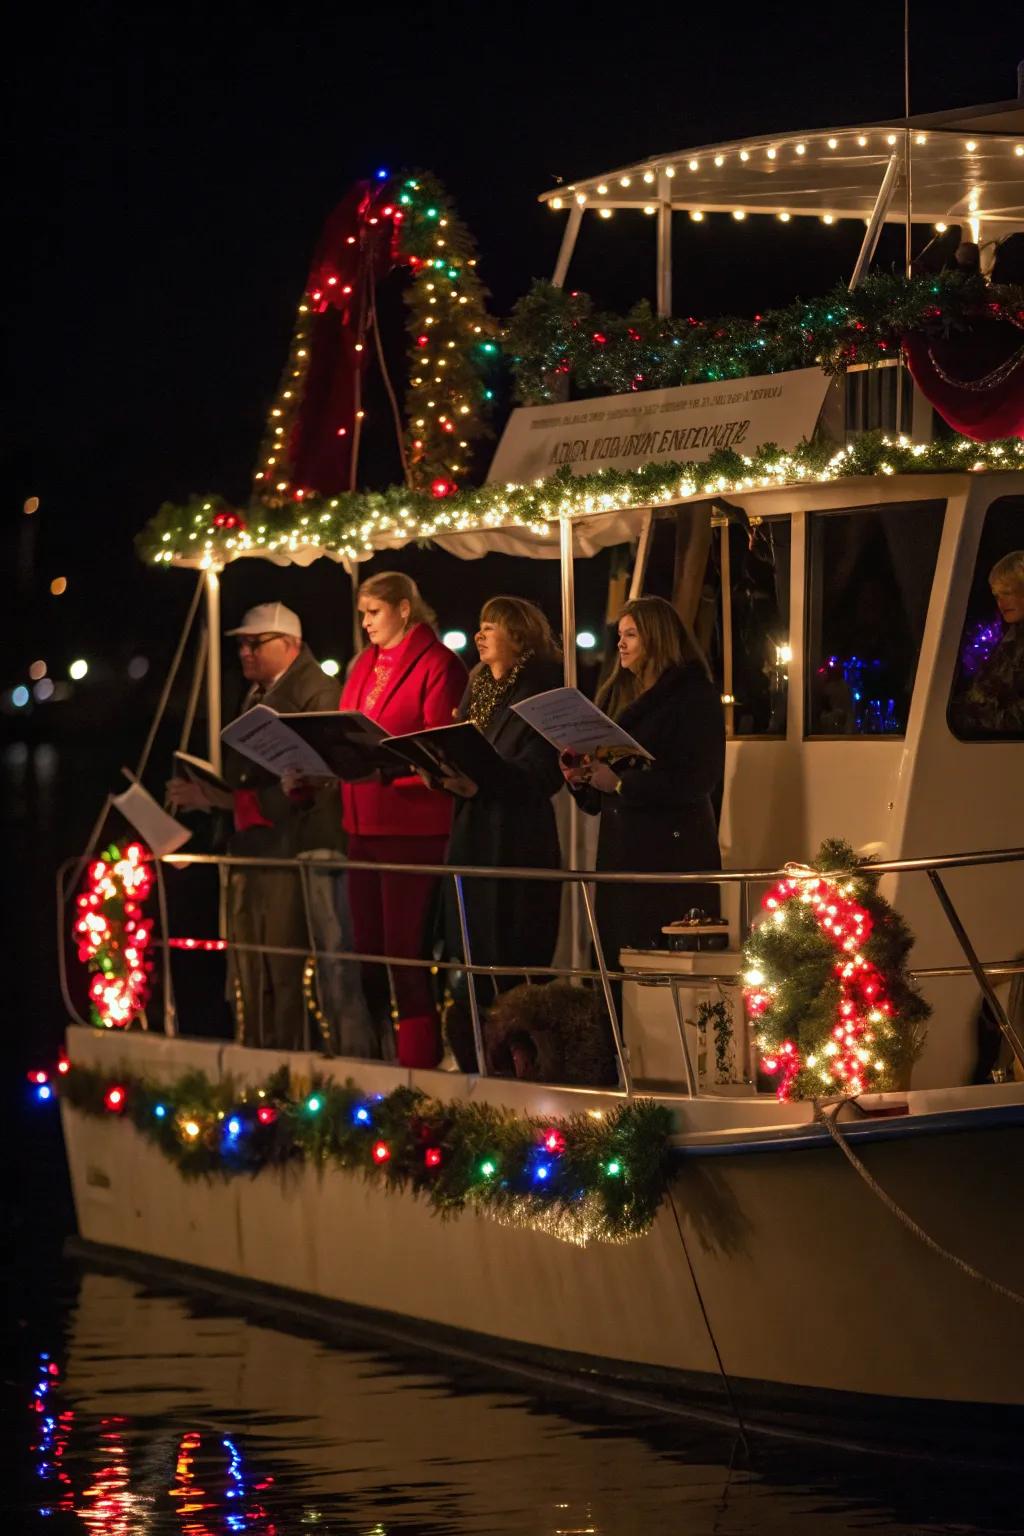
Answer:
x=586 y=880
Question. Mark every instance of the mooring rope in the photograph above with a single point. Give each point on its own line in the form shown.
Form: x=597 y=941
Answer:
x=822 y=1116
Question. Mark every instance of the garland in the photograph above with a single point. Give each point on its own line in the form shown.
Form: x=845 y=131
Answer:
x=113 y=936
x=827 y=985
x=585 y=1178
x=557 y=337
x=406 y=220
x=206 y=531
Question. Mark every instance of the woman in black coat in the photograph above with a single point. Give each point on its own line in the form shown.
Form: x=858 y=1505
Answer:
x=657 y=816
x=512 y=821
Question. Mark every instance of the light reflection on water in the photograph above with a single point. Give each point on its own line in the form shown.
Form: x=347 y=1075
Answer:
x=161 y=1417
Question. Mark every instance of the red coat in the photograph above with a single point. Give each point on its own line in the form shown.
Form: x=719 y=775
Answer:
x=426 y=684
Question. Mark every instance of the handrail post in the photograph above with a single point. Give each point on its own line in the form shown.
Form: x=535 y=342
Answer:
x=692 y=1086
x=474 y=1006
x=606 y=987
x=987 y=989
x=170 y=1012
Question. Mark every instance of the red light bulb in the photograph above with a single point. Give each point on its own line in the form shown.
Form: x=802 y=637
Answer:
x=266 y=1114
x=114 y=1099
x=432 y=1157
x=381 y=1152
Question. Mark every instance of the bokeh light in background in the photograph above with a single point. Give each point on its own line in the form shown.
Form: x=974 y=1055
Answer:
x=31 y=505
x=454 y=639
x=330 y=666
x=138 y=667
x=78 y=669
x=19 y=696
x=37 y=670
x=58 y=586
x=586 y=640
x=43 y=690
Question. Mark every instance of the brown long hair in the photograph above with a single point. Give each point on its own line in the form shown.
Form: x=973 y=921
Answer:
x=395 y=587
x=667 y=641
x=526 y=624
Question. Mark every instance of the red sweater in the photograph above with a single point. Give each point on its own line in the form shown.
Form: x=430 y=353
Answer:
x=423 y=687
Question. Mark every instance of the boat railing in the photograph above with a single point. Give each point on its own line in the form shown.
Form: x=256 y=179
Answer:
x=985 y=973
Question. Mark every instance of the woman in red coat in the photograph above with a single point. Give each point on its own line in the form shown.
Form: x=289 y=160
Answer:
x=406 y=680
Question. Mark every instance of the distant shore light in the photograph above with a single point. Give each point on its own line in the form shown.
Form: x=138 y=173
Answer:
x=455 y=639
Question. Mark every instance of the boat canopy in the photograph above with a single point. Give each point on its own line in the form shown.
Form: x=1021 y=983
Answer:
x=967 y=165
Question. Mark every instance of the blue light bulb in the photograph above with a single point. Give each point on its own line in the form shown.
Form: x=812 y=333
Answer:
x=44 y=1092
x=541 y=1172
x=362 y=1115
x=382 y=174
x=160 y=1111
x=234 y=1126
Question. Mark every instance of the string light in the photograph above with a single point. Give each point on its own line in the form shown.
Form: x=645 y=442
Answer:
x=112 y=936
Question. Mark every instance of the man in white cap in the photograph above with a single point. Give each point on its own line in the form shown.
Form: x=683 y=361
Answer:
x=266 y=906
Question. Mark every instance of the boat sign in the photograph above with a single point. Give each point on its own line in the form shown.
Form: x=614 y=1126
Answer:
x=688 y=423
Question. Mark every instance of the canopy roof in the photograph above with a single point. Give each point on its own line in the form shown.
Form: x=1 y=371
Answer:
x=965 y=164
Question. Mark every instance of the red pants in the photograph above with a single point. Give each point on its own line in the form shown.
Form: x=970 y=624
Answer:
x=388 y=916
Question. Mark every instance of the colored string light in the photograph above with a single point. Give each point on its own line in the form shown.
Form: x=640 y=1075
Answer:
x=113 y=936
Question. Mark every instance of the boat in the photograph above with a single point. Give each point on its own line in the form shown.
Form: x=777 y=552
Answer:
x=850 y=1261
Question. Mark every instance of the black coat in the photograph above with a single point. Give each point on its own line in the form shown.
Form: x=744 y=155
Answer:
x=663 y=819
x=297 y=825
x=511 y=922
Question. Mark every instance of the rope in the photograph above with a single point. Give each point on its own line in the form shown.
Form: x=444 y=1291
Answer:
x=385 y=375
x=822 y=1116
x=171 y=675
x=734 y=1407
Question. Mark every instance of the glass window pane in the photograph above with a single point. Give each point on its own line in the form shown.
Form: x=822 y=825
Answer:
x=987 y=697
x=870 y=575
x=759 y=570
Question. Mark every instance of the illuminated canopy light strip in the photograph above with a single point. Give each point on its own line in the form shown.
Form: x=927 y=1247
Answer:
x=353 y=526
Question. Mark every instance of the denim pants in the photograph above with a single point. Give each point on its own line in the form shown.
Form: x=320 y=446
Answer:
x=340 y=994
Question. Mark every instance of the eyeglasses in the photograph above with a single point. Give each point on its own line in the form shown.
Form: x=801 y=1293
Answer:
x=254 y=642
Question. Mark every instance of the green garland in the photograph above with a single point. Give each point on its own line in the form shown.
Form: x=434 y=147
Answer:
x=207 y=530
x=557 y=337
x=452 y=343
x=602 y=1180
x=797 y=996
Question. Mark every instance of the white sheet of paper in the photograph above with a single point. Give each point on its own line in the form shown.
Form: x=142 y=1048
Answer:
x=261 y=734
x=568 y=719
x=160 y=832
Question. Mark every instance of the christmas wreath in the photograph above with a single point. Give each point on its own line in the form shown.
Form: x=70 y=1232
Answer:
x=827 y=986
x=587 y=1177
x=113 y=935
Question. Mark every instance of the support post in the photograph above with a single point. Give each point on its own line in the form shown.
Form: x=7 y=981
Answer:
x=570 y=675
x=643 y=550
x=877 y=219
x=467 y=955
x=213 y=706
x=664 y=245
x=568 y=245
x=970 y=955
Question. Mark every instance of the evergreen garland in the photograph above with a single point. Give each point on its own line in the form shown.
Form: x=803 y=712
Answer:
x=558 y=339
x=827 y=986
x=580 y=1179
x=206 y=528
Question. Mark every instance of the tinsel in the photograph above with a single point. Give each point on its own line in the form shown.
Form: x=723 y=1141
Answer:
x=558 y=340
x=581 y=1179
x=827 y=987
x=348 y=525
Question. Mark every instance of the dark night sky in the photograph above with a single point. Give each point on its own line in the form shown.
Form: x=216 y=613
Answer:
x=175 y=165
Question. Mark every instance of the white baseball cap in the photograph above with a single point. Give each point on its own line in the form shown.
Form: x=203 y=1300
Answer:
x=269 y=619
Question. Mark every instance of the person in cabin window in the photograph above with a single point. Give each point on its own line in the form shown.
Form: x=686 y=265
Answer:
x=267 y=906
x=406 y=680
x=508 y=822
x=993 y=704
x=656 y=816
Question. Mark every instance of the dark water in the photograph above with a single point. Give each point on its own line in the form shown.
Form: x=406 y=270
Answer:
x=130 y=1410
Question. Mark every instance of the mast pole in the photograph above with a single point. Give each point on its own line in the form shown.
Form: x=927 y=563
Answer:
x=213 y=704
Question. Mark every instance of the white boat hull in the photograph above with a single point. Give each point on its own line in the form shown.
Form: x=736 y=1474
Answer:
x=809 y=1282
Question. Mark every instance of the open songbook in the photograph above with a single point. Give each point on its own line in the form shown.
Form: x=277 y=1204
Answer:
x=199 y=771
x=450 y=751
x=329 y=744
x=568 y=719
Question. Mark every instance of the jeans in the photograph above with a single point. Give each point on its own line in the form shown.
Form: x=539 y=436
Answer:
x=350 y=1029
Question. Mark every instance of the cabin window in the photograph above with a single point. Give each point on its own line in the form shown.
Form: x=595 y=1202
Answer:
x=870 y=573
x=759 y=565
x=987 y=696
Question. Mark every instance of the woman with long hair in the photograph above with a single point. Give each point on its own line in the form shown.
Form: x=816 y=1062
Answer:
x=406 y=680
x=510 y=821
x=656 y=816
